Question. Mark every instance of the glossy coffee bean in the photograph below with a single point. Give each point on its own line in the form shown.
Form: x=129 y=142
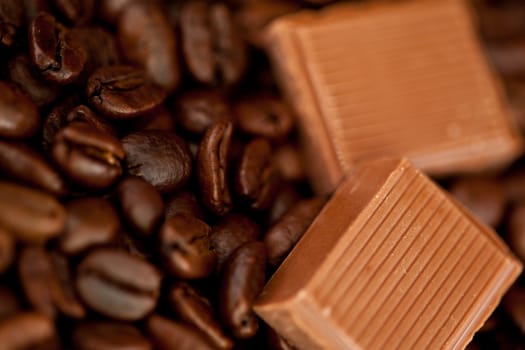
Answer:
x=7 y=250
x=62 y=288
x=194 y=309
x=9 y=303
x=141 y=205
x=160 y=158
x=183 y=202
x=185 y=247
x=57 y=119
x=11 y=19
x=55 y=51
x=118 y=285
x=28 y=214
x=286 y=232
x=212 y=168
x=90 y=221
x=197 y=110
x=25 y=330
x=109 y=336
x=169 y=335
x=88 y=156
x=83 y=113
x=19 y=118
x=77 y=11
x=122 y=92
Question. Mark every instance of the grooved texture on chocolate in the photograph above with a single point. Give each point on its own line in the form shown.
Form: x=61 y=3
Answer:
x=390 y=263
x=403 y=79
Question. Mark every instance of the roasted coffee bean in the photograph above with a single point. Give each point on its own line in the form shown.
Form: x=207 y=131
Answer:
x=257 y=176
x=75 y=11
x=118 y=285
x=183 y=202
x=194 y=309
x=212 y=168
x=88 y=156
x=148 y=40
x=284 y=199
x=197 y=110
x=11 y=18
x=7 y=250
x=101 y=48
x=130 y=244
x=62 y=288
x=242 y=281
x=28 y=214
x=516 y=230
x=25 y=331
x=169 y=335
x=232 y=231
x=57 y=119
x=141 y=205
x=109 y=336
x=34 y=8
x=83 y=113
x=211 y=45
x=158 y=119
x=289 y=163
x=160 y=158
x=185 y=247
x=9 y=303
x=56 y=51
x=19 y=117
x=286 y=232
x=514 y=304
x=122 y=92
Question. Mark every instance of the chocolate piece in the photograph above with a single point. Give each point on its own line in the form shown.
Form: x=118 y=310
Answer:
x=406 y=78
x=392 y=262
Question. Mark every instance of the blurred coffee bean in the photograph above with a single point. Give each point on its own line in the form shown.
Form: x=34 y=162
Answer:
x=183 y=202
x=77 y=12
x=21 y=163
x=516 y=230
x=185 y=247
x=62 y=288
x=82 y=113
x=56 y=51
x=7 y=251
x=514 y=304
x=11 y=19
x=28 y=214
x=110 y=10
x=141 y=205
x=89 y=157
x=242 y=281
x=211 y=44
x=194 y=309
x=57 y=119
x=19 y=118
x=122 y=92
x=105 y=335
x=9 y=303
x=25 y=331
x=118 y=285
x=197 y=110
x=169 y=335
x=284 y=199
x=289 y=162
x=90 y=221
x=212 y=168
x=101 y=48
x=158 y=119
x=287 y=231
x=160 y=158
x=34 y=8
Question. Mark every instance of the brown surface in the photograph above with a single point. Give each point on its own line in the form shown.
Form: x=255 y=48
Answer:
x=399 y=79
x=390 y=263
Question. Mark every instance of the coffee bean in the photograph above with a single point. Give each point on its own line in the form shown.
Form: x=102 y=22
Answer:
x=168 y=335
x=160 y=158
x=77 y=11
x=19 y=117
x=25 y=331
x=110 y=10
x=242 y=281
x=141 y=205
x=183 y=202
x=7 y=250
x=212 y=168
x=109 y=336
x=83 y=113
x=101 y=48
x=286 y=232
x=289 y=163
x=56 y=51
x=61 y=284
x=284 y=199
x=118 y=285
x=28 y=214
x=11 y=19
x=57 y=119
x=194 y=309
x=122 y=92
x=514 y=304
x=185 y=247
x=158 y=119
x=197 y=110
x=130 y=244
x=88 y=156
x=9 y=303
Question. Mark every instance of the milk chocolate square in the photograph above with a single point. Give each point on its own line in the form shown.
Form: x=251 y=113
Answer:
x=391 y=262
x=405 y=78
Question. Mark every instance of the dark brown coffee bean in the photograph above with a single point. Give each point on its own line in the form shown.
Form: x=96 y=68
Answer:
x=109 y=336
x=9 y=303
x=7 y=250
x=101 y=48
x=21 y=163
x=185 y=247
x=19 y=117
x=183 y=202
x=118 y=285
x=75 y=11
x=212 y=168
x=110 y=10
x=286 y=232
x=34 y=8
x=242 y=281
x=148 y=40
x=158 y=119
x=25 y=331
x=232 y=231
x=514 y=304
x=284 y=199
x=160 y=158
x=57 y=119
x=169 y=335
x=11 y=19
x=141 y=205
x=211 y=45
x=62 y=288
x=257 y=176
x=88 y=156
x=198 y=110
x=194 y=309
x=516 y=230
x=289 y=163
x=122 y=92
x=56 y=51
x=83 y=113
x=28 y=214
x=130 y=244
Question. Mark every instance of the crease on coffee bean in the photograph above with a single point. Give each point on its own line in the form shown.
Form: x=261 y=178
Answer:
x=114 y=283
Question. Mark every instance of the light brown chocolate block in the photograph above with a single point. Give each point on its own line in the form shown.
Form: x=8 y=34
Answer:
x=405 y=78
x=391 y=262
